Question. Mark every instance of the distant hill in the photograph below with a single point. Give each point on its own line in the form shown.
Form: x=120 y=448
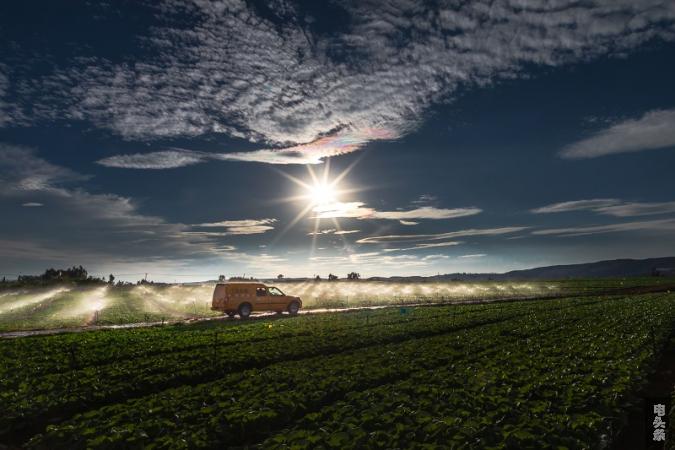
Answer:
x=600 y=269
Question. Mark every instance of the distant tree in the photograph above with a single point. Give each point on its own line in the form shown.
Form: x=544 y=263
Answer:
x=353 y=276
x=221 y=278
x=332 y=277
x=280 y=276
x=111 y=278
x=318 y=278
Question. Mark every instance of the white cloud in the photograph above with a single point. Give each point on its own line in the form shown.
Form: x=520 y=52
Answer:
x=386 y=239
x=649 y=225
x=610 y=207
x=32 y=204
x=475 y=255
x=232 y=71
x=169 y=159
x=654 y=130
x=408 y=222
x=238 y=227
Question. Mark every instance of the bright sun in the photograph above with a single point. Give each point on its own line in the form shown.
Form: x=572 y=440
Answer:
x=322 y=193
x=323 y=197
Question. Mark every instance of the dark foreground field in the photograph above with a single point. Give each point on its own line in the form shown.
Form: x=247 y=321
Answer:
x=553 y=373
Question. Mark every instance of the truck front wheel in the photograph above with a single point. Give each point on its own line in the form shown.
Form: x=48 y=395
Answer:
x=293 y=308
x=244 y=310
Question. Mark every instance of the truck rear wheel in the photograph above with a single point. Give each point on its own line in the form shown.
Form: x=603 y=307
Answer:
x=293 y=308
x=244 y=310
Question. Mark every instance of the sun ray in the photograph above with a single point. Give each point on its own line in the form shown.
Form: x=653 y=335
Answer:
x=317 y=221
x=345 y=244
x=349 y=168
x=297 y=218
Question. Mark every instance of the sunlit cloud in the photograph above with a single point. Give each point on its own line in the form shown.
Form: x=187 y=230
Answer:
x=32 y=204
x=312 y=153
x=332 y=231
x=475 y=255
x=610 y=207
x=237 y=227
x=358 y=210
x=654 y=130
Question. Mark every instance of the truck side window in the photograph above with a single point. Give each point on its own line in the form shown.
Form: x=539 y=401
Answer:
x=261 y=292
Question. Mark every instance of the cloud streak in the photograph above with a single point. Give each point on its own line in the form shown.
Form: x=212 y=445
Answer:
x=648 y=225
x=610 y=207
x=395 y=238
x=654 y=130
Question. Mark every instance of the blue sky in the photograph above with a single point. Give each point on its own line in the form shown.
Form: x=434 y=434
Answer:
x=179 y=138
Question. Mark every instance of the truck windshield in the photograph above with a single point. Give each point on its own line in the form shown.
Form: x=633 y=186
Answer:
x=274 y=291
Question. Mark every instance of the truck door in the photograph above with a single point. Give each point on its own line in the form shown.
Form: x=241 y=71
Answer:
x=262 y=299
x=278 y=301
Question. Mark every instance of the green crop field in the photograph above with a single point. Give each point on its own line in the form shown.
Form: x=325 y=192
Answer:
x=550 y=373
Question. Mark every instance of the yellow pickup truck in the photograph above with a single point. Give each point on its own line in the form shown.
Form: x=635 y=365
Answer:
x=241 y=297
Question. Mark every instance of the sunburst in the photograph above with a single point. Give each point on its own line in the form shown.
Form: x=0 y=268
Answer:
x=319 y=191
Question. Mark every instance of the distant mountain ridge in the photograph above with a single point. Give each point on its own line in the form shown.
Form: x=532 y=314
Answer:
x=600 y=269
